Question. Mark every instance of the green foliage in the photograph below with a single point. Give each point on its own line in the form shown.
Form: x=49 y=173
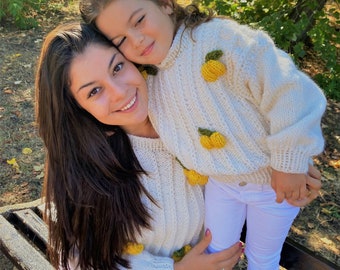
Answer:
x=21 y=11
x=296 y=26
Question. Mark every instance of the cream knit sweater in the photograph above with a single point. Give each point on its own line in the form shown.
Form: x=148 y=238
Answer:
x=178 y=218
x=267 y=109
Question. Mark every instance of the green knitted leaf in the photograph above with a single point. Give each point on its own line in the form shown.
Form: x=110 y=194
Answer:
x=150 y=69
x=204 y=131
x=214 y=55
x=179 y=253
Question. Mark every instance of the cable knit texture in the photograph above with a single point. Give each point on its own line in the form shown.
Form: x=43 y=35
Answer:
x=178 y=218
x=267 y=109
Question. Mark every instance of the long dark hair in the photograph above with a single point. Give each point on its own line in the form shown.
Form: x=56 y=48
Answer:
x=92 y=187
x=190 y=15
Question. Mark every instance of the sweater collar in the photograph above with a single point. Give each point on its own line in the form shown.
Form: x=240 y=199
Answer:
x=177 y=46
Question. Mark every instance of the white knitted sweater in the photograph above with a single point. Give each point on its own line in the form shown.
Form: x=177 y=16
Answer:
x=268 y=110
x=178 y=218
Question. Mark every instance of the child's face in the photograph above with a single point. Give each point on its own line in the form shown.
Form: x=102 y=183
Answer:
x=141 y=30
x=109 y=87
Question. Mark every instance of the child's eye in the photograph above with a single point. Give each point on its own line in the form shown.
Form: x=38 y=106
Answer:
x=140 y=20
x=117 y=68
x=93 y=92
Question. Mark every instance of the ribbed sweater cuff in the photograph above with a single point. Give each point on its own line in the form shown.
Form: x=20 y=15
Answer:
x=290 y=162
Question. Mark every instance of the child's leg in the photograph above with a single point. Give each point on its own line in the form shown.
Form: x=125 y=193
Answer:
x=225 y=214
x=268 y=224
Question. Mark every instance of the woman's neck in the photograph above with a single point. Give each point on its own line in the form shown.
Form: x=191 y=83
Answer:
x=144 y=129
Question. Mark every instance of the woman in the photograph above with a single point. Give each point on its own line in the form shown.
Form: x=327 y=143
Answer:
x=120 y=198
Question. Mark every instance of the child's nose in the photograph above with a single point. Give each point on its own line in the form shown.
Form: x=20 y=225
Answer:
x=137 y=39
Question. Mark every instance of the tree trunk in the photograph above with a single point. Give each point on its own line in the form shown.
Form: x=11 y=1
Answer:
x=310 y=8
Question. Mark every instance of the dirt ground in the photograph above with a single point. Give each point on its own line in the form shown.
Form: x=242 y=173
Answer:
x=317 y=226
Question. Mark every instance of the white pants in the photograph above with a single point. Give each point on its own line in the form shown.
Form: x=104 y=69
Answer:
x=268 y=222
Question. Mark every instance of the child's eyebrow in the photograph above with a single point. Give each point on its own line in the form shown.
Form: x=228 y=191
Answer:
x=134 y=13
x=129 y=20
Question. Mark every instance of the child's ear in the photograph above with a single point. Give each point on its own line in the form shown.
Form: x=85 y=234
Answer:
x=167 y=9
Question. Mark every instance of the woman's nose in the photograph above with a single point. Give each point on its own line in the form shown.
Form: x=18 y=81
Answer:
x=116 y=91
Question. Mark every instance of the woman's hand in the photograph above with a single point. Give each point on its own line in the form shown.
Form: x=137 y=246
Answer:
x=197 y=259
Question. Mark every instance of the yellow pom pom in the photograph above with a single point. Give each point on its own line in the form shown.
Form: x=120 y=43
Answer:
x=212 y=69
x=194 y=178
x=206 y=142
x=133 y=248
x=218 y=140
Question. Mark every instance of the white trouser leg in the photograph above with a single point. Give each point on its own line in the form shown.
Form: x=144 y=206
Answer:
x=224 y=215
x=268 y=224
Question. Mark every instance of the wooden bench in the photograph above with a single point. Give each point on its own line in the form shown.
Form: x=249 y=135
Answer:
x=24 y=235
x=23 y=239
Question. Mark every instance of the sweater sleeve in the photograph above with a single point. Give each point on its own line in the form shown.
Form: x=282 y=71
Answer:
x=290 y=101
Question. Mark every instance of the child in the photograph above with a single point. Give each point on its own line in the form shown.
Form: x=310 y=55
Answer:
x=228 y=104
x=117 y=192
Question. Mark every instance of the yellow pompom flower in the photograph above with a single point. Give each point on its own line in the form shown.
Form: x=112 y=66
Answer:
x=206 y=142
x=211 y=139
x=212 y=68
x=179 y=254
x=218 y=140
x=193 y=177
x=133 y=248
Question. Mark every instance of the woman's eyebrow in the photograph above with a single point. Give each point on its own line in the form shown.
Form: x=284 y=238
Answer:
x=108 y=67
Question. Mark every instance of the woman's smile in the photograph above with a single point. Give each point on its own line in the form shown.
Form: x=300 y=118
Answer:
x=130 y=105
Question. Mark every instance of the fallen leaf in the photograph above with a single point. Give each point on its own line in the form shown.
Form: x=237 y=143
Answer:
x=40 y=176
x=8 y=91
x=334 y=163
x=38 y=168
x=326 y=241
x=27 y=151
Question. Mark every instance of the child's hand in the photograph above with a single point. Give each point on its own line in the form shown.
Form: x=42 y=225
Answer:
x=313 y=186
x=197 y=259
x=289 y=186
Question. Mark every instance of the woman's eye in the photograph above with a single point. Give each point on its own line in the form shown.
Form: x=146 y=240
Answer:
x=93 y=92
x=117 y=68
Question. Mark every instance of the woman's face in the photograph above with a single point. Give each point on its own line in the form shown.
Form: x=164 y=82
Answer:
x=109 y=87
